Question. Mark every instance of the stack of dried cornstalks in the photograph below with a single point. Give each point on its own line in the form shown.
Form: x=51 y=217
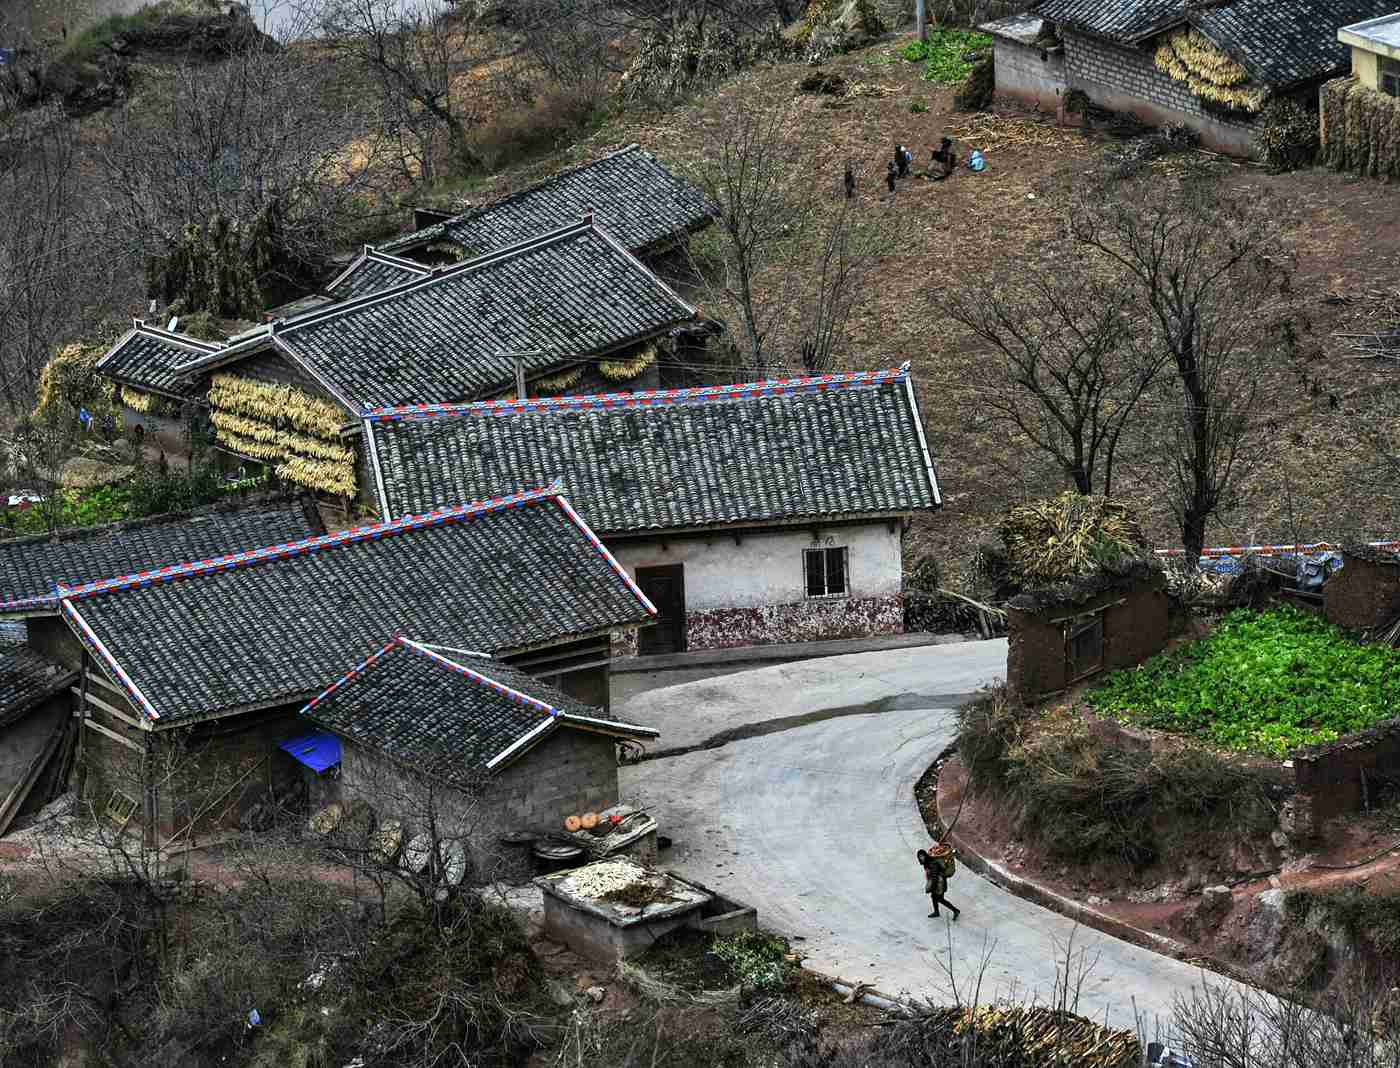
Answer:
x=1026 y=1038
x=1069 y=536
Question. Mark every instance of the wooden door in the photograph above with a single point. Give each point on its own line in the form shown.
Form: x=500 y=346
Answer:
x=665 y=588
x=1083 y=647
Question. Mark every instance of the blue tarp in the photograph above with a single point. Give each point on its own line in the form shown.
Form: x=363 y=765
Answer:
x=317 y=751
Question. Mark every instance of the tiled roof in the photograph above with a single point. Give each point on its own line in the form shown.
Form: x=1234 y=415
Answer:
x=631 y=194
x=448 y=715
x=1279 y=42
x=146 y=357
x=26 y=678
x=1284 y=42
x=271 y=625
x=1119 y=20
x=373 y=271
x=31 y=567
x=668 y=459
x=564 y=296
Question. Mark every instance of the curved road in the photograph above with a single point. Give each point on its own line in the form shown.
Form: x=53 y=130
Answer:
x=812 y=820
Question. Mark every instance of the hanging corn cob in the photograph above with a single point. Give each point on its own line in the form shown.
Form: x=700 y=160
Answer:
x=620 y=368
x=1192 y=59
x=145 y=403
x=563 y=380
x=333 y=478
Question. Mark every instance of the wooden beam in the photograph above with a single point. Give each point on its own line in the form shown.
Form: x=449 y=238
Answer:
x=97 y=702
x=105 y=682
x=113 y=735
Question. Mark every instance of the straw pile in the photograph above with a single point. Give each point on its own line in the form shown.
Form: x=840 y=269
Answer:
x=1067 y=537
x=1019 y=1038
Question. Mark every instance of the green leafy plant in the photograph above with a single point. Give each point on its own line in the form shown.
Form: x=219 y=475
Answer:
x=918 y=107
x=946 y=53
x=756 y=959
x=1263 y=682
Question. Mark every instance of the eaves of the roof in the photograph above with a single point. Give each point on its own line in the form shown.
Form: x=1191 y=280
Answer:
x=388 y=270
x=27 y=679
x=599 y=605
x=439 y=338
x=150 y=359
x=781 y=451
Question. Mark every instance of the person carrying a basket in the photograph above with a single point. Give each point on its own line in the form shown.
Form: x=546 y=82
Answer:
x=938 y=866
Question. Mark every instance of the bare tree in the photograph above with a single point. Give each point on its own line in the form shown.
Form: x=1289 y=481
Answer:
x=783 y=260
x=1070 y=369
x=257 y=140
x=1211 y=274
x=414 y=49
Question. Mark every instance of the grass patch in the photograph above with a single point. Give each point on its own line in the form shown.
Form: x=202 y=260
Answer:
x=87 y=45
x=1083 y=798
x=1261 y=682
x=944 y=54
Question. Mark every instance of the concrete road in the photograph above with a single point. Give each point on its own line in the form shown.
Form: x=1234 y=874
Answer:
x=813 y=821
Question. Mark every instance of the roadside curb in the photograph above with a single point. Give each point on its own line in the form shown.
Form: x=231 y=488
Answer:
x=1043 y=896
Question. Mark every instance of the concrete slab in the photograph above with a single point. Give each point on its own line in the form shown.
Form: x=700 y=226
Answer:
x=816 y=825
x=751 y=703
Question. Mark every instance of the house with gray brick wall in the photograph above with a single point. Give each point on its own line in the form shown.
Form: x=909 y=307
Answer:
x=201 y=667
x=1210 y=66
x=463 y=742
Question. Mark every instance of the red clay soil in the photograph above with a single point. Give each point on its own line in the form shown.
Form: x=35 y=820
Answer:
x=984 y=827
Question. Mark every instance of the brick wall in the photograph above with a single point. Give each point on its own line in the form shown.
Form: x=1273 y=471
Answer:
x=1126 y=80
x=570 y=772
x=1135 y=627
x=1363 y=594
x=1343 y=776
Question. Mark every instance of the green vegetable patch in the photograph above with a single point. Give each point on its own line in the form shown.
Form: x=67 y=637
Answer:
x=946 y=54
x=1262 y=682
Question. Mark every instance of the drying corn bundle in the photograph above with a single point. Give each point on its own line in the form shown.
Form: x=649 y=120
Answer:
x=1191 y=58
x=1069 y=536
x=284 y=426
x=563 y=380
x=1030 y=1037
x=1360 y=129
x=145 y=403
x=70 y=378
x=623 y=367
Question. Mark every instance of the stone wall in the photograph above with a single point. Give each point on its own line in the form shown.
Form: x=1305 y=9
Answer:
x=800 y=621
x=1365 y=593
x=1135 y=627
x=1126 y=80
x=1343 y=776
x=572 y=771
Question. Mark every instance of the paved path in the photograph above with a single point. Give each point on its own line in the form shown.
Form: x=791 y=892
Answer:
x=816 y=825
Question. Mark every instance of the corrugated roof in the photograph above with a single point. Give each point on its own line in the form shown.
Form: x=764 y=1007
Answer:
x=630 y=192
x=272 y=625
x=803 y=447
x=31 y=567
x=448 y=715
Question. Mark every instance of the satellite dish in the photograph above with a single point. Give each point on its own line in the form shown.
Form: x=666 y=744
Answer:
x=174 y=322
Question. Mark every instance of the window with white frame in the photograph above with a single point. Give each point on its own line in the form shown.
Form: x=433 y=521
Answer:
x=826 y=571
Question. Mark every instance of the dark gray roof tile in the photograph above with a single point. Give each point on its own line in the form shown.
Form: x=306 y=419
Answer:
x=1118 y=20
x=373 y=271
x=26 y=678
x=630 y=194
x=31 y=567
x=1284 y=42
x=446 y=714
x=668 y=459
x=272 y=625
x=146 y=357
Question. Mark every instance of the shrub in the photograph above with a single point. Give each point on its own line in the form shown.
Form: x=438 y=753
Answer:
x=976 y=92
x=918 y=107
x=1287 y=135
x=1365 y=917
x=1265 y=682
x=755 y=959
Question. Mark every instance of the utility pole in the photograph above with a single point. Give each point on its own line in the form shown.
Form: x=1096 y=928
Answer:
x=919 y=20
x=517 y=358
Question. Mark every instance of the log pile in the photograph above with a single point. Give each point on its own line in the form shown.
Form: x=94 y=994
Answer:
x=1036 y=1037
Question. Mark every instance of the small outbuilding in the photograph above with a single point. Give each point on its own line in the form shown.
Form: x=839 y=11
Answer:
x=1029 y=61
x=1365 y=593
x=1064 y=634
x=464 y=742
